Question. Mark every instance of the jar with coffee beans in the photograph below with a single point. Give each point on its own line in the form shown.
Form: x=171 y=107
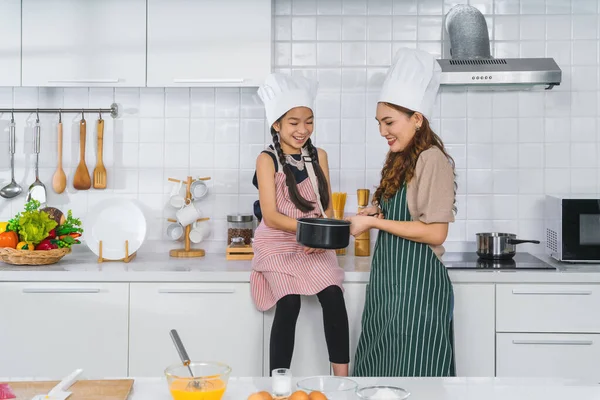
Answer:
x=240 y=226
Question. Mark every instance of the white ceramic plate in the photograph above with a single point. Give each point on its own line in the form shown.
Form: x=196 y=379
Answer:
x=114 y=221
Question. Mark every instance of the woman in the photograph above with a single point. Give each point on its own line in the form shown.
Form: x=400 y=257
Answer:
x=407 y=320
x=292 y=177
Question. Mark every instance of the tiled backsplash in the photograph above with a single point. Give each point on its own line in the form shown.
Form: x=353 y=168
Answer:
x=510 y=147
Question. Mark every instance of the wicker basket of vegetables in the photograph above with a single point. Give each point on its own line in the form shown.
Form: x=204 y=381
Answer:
x=38 y=237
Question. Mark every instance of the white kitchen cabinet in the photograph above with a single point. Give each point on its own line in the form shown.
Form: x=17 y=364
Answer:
x=10 y=43
x=474 y=329
x=84 y=43
x=209 y=42
x=474 y=335
x=548 y=355
x=354 y=295
x=553 y=308
x=310 y=350
x=216 y=322
x=50 y=329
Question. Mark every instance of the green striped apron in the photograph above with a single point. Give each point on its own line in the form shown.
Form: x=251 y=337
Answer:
x=407 y=320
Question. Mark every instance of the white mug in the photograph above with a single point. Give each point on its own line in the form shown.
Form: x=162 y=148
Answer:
x=175 y=231
x=188 y=214
x=200 y=231
x=198 y=189
x=177 y=200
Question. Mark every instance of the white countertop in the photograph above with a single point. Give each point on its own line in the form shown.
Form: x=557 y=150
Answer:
x=420 y=388
x=152 y=265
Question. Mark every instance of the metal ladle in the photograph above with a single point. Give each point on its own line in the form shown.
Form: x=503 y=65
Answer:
x=12 y=189
x=37 y=190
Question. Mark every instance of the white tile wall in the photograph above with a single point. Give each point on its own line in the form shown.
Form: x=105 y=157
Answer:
x=510 y=148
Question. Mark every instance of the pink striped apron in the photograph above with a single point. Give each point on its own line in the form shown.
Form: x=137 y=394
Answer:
x=280 y=266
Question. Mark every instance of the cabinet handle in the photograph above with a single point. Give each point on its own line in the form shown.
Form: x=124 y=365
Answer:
x=60 y=290
x=178 y=80
x=192 y=291
x=554 y=292
x=556 y=342
x=85 y=81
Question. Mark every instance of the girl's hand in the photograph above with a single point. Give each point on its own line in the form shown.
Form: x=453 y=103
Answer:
x=360 y=224
x=310 y=250
x=370 y=211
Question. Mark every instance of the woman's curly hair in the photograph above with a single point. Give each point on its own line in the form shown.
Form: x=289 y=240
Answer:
x=400 y=167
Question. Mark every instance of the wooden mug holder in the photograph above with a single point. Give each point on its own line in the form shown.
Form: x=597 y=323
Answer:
x=187 y=251
x=128 y=257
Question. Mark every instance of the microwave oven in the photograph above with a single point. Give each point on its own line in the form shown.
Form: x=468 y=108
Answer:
x=572 y=224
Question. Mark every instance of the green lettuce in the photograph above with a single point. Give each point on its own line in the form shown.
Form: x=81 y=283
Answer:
x=34 y=226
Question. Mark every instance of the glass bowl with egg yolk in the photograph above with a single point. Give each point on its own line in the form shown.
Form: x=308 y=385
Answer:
x=208 y=383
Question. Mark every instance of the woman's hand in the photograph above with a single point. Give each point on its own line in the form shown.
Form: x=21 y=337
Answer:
x=310 y=250
x=371 y=210
x=361 y=223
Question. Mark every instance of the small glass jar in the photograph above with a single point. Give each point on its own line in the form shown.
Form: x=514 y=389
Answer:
x=240 y=226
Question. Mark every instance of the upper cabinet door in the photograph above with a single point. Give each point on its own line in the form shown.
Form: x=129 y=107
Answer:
x=209 y=42
x=10 y=43
x=84 y=43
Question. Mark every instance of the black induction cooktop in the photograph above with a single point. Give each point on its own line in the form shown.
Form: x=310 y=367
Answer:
x=468 y=260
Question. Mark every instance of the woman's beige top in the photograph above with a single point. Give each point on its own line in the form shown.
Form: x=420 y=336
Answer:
x=430 y=194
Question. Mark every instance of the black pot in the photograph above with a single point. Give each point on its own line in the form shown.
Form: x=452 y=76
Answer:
x=323 y=233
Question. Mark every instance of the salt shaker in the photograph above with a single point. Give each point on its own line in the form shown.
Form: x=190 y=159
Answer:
x=281 y=382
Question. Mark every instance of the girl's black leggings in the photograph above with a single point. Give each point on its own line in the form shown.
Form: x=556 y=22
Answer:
x=335 y=320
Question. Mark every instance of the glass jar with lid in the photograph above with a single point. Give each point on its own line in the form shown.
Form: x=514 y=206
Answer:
x=240 y=226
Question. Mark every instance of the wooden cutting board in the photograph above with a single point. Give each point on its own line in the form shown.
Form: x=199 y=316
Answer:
x=118 y=389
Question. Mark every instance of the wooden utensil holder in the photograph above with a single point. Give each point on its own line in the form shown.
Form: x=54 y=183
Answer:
x=187 y=251
x=362 y=243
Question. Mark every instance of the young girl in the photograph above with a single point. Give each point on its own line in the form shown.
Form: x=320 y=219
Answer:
x=282 y=268
x=407 y=320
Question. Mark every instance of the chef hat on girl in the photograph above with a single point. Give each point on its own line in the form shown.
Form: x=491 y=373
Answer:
x=280 y=93
x=412 y=81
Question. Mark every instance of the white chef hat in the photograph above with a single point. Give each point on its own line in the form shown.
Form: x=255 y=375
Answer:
x=280 y=93
x=412 y=81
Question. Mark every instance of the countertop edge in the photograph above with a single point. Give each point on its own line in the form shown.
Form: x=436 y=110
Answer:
x=152 y=268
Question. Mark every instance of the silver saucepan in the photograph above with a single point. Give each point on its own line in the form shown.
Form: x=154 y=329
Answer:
x=498 y=246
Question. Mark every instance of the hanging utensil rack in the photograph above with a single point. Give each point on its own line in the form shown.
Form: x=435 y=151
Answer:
x=113 y=110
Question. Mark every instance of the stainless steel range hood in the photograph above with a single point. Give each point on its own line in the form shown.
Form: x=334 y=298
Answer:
x=472 y=64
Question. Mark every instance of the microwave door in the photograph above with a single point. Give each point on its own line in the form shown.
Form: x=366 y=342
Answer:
x=581 y=230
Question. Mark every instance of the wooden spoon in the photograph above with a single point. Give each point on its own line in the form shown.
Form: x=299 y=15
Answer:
x=81 y=180
x=100 y=171
x=59 y=180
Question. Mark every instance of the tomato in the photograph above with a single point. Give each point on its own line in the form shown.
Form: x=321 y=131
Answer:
x=9 y=239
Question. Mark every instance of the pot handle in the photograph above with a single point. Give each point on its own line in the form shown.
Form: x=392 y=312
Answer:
x=519 y=241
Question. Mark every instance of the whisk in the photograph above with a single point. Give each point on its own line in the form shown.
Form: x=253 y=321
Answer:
x=339 y=202
x=185 y=359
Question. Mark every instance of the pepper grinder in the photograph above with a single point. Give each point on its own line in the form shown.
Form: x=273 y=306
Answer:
x=362 y=243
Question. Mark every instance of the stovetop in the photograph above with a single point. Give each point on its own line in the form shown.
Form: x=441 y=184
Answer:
x=468 y=260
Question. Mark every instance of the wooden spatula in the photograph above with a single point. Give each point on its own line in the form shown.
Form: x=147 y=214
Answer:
x=59 y=180
x=81 y=180
x=100 y=171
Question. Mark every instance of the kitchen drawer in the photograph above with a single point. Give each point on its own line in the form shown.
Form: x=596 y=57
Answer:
x=216 y=322
x=548 y=308
x=50 y=329
x=548 y=355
